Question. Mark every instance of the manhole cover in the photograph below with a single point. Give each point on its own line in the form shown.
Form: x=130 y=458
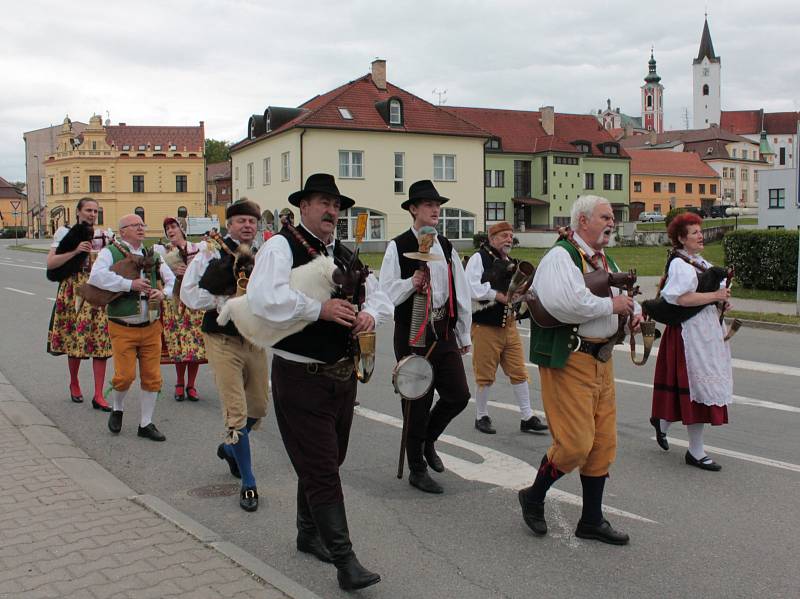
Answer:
x=215 y=491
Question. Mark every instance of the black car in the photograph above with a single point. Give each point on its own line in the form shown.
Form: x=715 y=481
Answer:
x=698 y=211
x=719 y=211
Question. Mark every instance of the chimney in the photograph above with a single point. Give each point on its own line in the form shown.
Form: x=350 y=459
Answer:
x=628 y=130
x=122 y=124
x=548 y=119
x=379 y=73
x=653 y=137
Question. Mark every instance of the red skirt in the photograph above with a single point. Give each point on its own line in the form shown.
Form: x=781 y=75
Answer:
x=671 y=386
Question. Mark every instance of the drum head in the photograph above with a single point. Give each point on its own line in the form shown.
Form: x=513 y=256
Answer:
x=412 y=377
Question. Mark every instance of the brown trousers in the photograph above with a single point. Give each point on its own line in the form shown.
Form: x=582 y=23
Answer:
x=580 y=404
x=240 y=373
x=129 y=344
x=497 y=346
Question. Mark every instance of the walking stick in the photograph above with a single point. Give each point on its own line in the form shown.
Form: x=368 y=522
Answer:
x=406 y=416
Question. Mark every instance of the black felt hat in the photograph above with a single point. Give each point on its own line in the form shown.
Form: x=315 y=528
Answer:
x=423 y=190
x=321 y=183
x=243 y=207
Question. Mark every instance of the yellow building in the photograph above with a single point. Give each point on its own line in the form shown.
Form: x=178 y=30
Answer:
x=151 y=171
x=376 y=139
x=13 y=208
x=663 y=179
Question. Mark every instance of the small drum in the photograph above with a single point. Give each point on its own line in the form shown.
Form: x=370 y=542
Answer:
x=412 y=377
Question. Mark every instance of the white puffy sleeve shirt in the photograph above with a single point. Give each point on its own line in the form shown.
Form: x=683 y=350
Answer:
x=681 y=279
x=474 y=272
x=192 y=295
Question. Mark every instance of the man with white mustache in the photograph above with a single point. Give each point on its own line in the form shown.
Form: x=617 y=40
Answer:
x=495 y=339
x=577 y=378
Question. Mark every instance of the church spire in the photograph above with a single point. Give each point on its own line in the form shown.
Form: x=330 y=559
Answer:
x=706 y=46
x=652 y=76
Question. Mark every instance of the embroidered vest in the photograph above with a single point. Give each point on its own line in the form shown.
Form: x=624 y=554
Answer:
x=494 y=315
x=129 y=304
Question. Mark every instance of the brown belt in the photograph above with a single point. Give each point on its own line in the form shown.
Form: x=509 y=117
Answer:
x=343 y=370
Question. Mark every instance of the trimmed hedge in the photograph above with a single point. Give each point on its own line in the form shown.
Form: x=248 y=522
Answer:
x=763 y=259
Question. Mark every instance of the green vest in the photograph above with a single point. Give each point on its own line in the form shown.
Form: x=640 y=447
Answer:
x=128 y=304
x=552 y=346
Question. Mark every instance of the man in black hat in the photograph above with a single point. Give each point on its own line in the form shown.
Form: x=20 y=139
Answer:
x=451 y=316
x=240 y=368
x=313 y=378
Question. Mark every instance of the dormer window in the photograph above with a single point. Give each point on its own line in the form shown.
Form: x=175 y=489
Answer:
x=173 y=147
x=582 y=146
x=610 y=149
x=493 y=144
x=345 y=113
x=142 y=147
x=126 y=147
x=395 y=113
x=157 y=148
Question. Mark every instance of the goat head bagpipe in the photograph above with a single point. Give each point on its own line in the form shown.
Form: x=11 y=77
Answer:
x=228 y=274
x=175 y=257
x=708 y=280
x=77 y=234
x=314 y=279
x=130 y=267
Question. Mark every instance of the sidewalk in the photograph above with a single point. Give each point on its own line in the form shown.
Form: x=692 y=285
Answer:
x=69 y=528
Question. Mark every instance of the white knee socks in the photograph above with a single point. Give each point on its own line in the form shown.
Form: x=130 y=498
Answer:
x=117 y=397
x=523 y=395
x=147 y=399
x=482 y=401
x=664 y=425
x=696 y=447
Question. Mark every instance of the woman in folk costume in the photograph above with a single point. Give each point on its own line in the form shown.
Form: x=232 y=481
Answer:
x=693 y=380
x=77 y=328
x=182 y=340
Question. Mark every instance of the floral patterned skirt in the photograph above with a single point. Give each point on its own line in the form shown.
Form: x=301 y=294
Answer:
x=182 y=340
x=78 y=334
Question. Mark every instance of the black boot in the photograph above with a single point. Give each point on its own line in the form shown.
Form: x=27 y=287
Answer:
x=308 y=539
x=592 y=525
x=531 y=500
x=331 y=521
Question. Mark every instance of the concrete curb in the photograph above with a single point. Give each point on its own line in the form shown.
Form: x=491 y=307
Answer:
x=103 y=485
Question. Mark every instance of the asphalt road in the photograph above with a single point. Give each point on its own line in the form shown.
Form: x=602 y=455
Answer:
x=735 y=533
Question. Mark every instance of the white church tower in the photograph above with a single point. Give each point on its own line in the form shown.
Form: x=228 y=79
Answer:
x=707 y=70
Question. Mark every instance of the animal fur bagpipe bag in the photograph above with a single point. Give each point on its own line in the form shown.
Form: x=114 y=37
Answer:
x=314 y=279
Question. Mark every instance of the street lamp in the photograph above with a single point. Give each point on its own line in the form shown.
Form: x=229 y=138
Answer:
x=39 y=193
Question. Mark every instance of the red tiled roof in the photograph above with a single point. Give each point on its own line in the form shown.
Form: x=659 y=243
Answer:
x=667 y=162
x=359 y=97
x=9 y=191
x=521 y=130
x=684 y=136
x=748 y=122
x=187 y=139
x=218 y=170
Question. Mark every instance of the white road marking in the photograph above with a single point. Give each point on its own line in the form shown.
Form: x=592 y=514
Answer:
x=19 y=291
x=735 y=362
x=52 y=299
x=22 y=266
x=739 y=455
x=497 y=468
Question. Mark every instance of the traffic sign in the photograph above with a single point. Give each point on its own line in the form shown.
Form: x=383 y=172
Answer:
x=15 y=204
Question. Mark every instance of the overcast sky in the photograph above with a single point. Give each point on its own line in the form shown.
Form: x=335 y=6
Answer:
x=176 y=62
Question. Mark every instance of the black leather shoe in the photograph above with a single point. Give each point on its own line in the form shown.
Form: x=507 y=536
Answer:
x=533 y=514
x=424 y=482
x=76 y=398
x=223 y=455
x=353 y=576
x=248 y=499
x=661 y=438
x=312 y=544
x=532 y=425
x=433 y=459
x=484 y=424
x=115 y=421
x=704 y=463
x=151 y=432
x=101 y=406
x=601 y=532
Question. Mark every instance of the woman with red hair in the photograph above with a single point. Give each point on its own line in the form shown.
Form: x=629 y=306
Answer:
x=693 y=380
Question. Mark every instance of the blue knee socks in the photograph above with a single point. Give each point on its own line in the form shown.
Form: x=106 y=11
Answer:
x=241 y=451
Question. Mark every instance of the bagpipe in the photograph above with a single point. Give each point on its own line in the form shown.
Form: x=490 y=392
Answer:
x=77 y=234
x=509 y=276
x=228 y=274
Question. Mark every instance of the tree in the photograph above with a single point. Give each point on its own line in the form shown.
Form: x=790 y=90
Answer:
x=217 y=151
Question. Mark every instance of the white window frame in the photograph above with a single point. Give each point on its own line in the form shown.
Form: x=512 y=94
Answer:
x=399 y=167
x=349 y=168
x=440 y=170
x=461 y=216
x=266 y=165
x=250 y=175
x=286 y=171
x=349 y=218
x=395 y=112
x=345 y=113
x=497 y=209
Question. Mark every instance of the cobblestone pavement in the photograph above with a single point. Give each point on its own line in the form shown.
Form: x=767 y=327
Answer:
x=60 y=540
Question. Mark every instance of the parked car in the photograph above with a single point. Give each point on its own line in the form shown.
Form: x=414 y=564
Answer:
x=698 y=211
x=651 y=217
x=719 y=211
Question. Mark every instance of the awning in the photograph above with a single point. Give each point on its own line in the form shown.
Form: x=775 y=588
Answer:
x=530 y=201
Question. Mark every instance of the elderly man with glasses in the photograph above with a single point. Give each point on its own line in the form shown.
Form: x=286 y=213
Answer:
x=133 y=322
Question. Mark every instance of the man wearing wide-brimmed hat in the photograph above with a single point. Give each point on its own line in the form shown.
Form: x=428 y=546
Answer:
x=494 y=329
x=448 y=325
x=240 y=368
x=313 y=377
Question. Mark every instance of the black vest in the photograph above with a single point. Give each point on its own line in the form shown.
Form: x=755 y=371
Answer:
x=499 y=280
x=322 y=340
x=210 y=317
x=407 y=242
